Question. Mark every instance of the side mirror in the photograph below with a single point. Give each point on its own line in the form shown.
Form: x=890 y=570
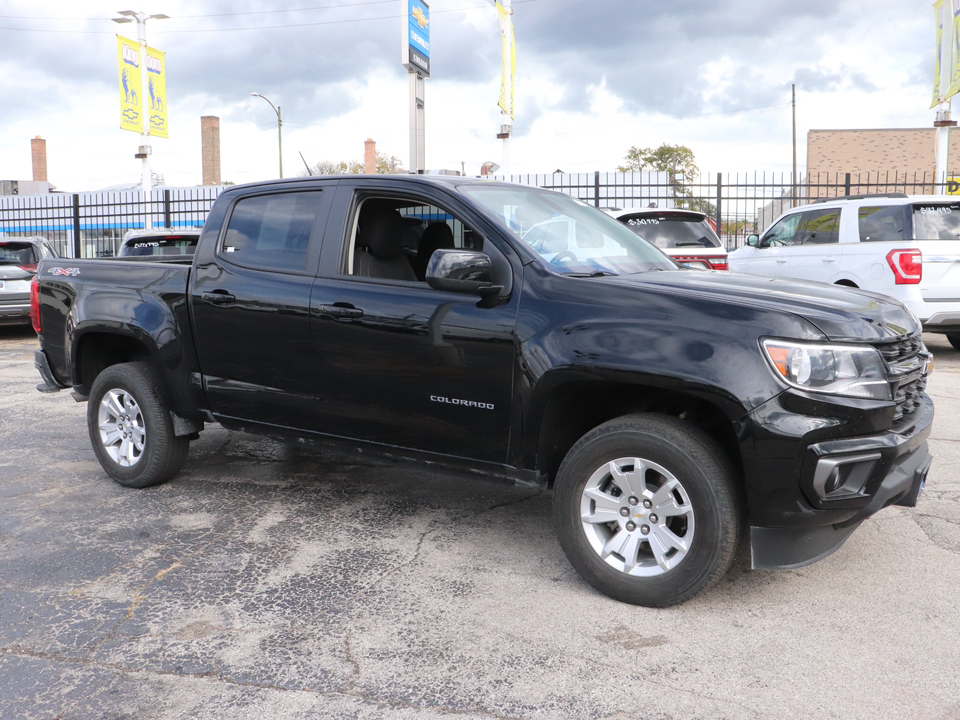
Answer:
x=753 y=240
x=461 y=271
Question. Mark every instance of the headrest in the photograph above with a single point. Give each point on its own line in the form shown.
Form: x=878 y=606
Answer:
x=386 y=238
x=437 y=235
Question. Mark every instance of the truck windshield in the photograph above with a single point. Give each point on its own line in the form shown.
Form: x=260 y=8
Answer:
x=569 y=236
x=936 y=221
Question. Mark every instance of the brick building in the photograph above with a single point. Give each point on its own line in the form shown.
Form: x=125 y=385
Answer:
x=879 y=156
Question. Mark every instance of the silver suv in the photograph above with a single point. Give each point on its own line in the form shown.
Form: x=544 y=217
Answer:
x=907 y=247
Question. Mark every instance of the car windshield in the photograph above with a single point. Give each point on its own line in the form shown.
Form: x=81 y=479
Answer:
x=161 y=245
x=569 y=236
x=936 y=222
x=17 y=253
x=672 y=230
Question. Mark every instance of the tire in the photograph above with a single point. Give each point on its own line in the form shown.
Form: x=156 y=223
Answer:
x=650 y=558
x=130 y=427
x=954 y=339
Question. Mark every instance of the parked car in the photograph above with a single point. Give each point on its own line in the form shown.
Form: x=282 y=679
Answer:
x=18 y=265
x=159 y=241
x=904 y=246
x=685 y=235
x=671 y=409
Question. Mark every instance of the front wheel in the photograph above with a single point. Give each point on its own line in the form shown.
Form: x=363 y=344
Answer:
x=646 y=510
x=130 y=426
x=954 y=339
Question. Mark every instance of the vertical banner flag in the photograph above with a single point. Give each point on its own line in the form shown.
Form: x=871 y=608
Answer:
x=955 y=54
x=130 y=84
x=509 y=62
x=157 y=92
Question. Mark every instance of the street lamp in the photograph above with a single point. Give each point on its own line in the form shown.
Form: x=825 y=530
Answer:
x=279 y=128
x=144 y=150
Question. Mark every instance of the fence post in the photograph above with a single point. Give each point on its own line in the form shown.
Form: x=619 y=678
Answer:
x=166 y=209
x=846 y=186
x=596 y=188
x=76 y=226
x=719 y=195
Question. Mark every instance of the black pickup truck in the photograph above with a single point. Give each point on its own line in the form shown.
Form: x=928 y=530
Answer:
x=672 y=410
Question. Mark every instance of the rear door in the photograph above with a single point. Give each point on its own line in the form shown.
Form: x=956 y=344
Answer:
x=251 y=305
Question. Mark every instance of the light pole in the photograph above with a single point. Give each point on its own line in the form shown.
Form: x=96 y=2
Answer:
x=144 y=150
x=279 y=128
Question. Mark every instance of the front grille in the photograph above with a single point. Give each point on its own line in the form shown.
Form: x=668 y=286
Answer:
x=901 y=349
x=906 y=360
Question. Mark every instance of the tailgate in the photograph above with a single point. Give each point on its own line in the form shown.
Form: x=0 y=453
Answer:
x=941 y=270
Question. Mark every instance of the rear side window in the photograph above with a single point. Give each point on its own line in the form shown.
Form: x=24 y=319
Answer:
x=881 y=224
x=673 y=231
x=17 y=253
x=820 y=228
x=271 y=232
x=936 y=221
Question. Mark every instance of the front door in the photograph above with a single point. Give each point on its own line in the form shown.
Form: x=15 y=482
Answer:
x=403 y=364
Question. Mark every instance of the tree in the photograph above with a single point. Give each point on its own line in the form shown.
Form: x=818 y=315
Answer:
x=386 y=165
x=674 y=159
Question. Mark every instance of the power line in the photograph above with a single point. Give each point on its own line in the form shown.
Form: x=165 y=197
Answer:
x=251 y=27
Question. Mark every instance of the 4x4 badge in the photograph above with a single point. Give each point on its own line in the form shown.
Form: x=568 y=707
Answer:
x=64 y=271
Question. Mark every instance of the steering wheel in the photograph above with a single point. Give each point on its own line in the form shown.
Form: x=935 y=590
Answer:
x=562 y=257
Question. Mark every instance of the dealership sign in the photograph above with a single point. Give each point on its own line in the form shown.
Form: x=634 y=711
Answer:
x=415 y=50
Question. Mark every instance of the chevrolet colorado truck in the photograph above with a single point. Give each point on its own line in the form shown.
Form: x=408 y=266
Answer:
x=675 y=412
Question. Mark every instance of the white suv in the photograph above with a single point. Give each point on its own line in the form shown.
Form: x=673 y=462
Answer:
x=904 y=246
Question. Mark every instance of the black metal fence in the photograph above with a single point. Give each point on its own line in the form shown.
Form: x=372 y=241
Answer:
x=92 y=224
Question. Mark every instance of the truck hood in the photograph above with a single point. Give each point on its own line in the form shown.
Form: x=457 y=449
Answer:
x=840 y=313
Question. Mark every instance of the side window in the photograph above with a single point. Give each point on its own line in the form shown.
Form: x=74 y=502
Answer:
x=822 y=227
x=881 y=224
x=271 y=232
x=783 y=232
x=394 y=238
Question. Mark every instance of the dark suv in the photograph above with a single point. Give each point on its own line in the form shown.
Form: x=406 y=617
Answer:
x=19 y=258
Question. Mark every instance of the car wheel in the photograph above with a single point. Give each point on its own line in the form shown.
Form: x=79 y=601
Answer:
x=954 y=339
x=130 y=426
x=646 y=510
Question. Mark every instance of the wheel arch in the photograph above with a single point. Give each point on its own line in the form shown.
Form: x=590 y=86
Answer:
x=96 y=350
x=575 y=407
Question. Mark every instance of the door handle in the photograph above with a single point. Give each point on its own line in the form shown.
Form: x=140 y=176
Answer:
x=218 y=297
x=829 y=259
x=781 y=261
x=341 y=311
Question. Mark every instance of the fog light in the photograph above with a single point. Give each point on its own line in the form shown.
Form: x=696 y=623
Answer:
x=840 y=477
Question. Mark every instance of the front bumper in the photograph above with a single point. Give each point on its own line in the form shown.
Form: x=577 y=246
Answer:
x=842 y=482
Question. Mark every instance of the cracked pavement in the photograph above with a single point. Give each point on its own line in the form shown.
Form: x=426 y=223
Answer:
x=282 y=582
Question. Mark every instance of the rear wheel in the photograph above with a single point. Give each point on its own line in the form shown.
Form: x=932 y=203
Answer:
x=646 y=510
x=130 y=426
x=954 y=339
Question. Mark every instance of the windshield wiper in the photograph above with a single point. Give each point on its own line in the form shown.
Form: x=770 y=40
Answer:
x=595 y=273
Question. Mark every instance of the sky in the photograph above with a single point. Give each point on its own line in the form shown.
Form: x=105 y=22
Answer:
x=594 y=77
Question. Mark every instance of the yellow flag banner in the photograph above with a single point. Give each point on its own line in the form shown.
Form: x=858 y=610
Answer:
x=509 y=64
x=954 y=55
x=129 y=55
x=157 y=92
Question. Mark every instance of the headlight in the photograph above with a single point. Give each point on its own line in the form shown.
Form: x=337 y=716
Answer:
x=836 y=369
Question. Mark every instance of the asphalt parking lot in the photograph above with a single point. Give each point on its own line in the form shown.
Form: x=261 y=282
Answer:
x=276 y=582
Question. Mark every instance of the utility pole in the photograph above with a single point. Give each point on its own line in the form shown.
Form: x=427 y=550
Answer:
x=793 y=201
x=144 y=151
x=943 y=123
x=506 y=116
